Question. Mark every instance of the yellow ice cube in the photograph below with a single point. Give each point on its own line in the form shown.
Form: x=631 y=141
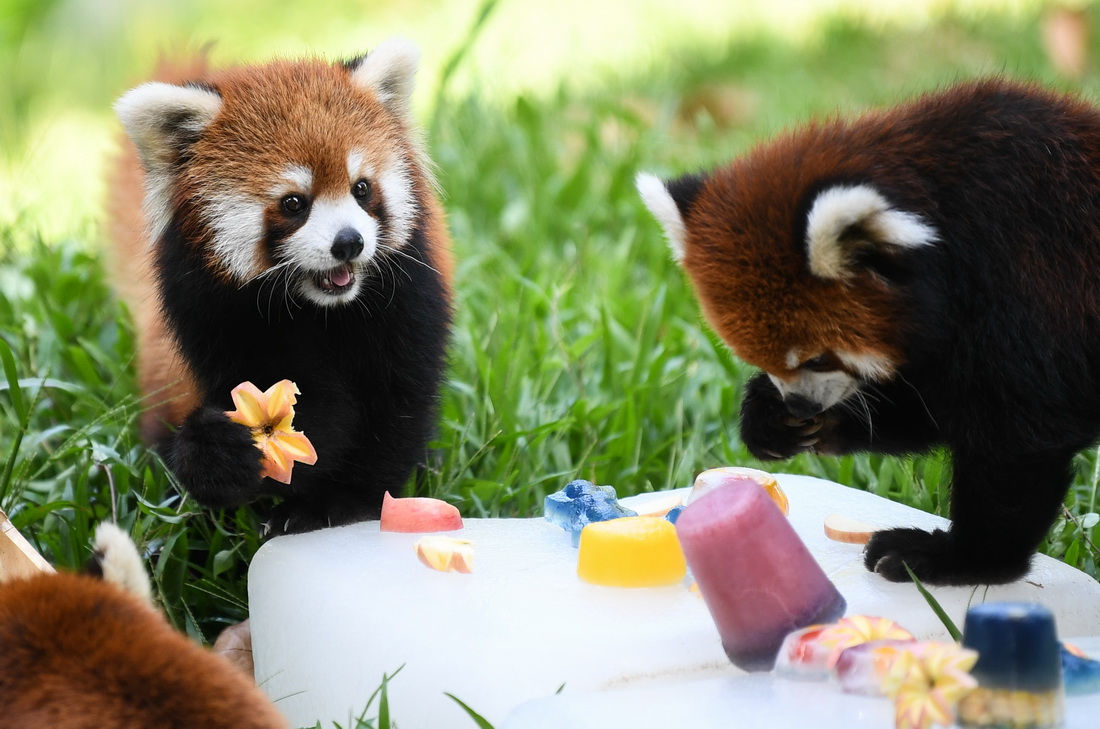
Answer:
x=633 y=551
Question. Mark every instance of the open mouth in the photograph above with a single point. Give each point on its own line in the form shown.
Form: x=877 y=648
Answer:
x=336 y=281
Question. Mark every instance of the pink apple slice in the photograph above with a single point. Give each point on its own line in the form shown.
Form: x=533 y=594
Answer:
x=418 y=514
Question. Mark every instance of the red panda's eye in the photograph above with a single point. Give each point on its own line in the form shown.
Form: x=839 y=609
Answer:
x=361 y=189
x=821 y=363
x=293 y=204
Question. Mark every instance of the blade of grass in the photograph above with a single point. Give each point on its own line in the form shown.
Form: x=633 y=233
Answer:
x=478 y=719
x=952 y=629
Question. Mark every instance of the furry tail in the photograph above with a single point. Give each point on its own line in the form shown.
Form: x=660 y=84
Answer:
x=116 y=559
x=162 y=376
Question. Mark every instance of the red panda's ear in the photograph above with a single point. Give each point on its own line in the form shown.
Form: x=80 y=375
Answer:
x=116 y=559
x=851 y=223
x=164 y=119
x=388 y=72
x=669 y=203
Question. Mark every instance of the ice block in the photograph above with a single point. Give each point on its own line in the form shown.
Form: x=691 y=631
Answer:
x=802 y=655
x=1019 y=668
x=814 y=652
x=582 y=503
x=634 y=551
x=756 y=576
x=860 y=668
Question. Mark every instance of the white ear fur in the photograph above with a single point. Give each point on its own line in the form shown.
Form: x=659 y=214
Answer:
x=842 y=208
x=163 y=118
x=389 y=71
x=120 y=562
x=659 y=201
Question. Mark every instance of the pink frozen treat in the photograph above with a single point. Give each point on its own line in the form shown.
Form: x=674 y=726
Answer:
x=757 y=577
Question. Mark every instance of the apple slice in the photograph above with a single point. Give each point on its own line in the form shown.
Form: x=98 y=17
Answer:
x=845 y=529
x=418 y=514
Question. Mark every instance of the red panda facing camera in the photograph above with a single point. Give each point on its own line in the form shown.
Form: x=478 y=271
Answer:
x=925 y=276
x=291 y=231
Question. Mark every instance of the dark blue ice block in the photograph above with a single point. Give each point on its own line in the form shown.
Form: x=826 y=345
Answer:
x=1017 y=647
x=580 y=503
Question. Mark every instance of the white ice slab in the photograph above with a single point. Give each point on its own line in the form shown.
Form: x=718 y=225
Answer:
x=757 y=701
x=333 y=611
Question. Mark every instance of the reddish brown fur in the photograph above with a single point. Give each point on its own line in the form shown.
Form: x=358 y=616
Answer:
x=776 y=303
x=162 y=375
x=79 y=653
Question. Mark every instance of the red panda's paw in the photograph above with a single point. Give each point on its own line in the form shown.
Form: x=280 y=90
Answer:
x=936 y=558
x=216 y=460
x=769 y=430
x=295 y=517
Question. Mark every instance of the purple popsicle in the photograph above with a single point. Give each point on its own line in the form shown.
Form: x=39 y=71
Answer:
x=757 y=577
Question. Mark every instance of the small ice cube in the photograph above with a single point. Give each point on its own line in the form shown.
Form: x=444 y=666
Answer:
x=580 y=503
x=861 y=668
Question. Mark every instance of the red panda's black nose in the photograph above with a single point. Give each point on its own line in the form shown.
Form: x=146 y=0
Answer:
x=347 y=245
x=801 y=407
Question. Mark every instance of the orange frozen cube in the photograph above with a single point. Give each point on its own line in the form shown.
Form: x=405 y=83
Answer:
x=633 y=551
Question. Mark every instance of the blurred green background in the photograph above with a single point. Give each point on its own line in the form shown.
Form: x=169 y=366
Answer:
x=579 y=350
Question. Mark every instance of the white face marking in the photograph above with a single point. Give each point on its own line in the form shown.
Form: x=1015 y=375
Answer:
x=869 y=366
x=823 y=388
x=832 y=386
x=660 y=203
x=837 y=209
x=238 y=224
x=400 y=205
x=310 y=247
x=294 y=178
x=793 y=360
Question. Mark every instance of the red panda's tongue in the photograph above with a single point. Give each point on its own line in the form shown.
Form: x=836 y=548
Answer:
x=340 y=276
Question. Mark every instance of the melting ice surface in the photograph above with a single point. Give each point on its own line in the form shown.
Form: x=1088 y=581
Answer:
x=580 y=503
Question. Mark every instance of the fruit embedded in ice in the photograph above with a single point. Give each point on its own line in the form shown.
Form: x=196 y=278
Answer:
x=582 y=503
x=445 y=554
x=418 y=515
x=802 y=655
x=635 y=551
x=716 y=478
x=814 y=651
x=861 y=668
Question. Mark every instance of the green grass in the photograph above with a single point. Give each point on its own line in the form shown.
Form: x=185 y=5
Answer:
x=578 y=351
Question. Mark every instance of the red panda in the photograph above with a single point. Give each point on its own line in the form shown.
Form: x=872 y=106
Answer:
x=78 y=652
x=290 y=230
x=921 y=277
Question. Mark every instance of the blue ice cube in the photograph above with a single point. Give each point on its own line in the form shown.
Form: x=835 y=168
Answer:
x=580 y=503
x=1080 y=675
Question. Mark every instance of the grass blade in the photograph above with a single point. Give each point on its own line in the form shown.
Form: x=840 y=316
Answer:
x=481 y=721
x=952 y=629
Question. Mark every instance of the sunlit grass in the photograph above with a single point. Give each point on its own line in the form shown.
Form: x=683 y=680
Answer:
x=578 y=351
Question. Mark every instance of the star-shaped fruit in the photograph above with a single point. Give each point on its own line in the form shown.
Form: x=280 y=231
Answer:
x=927 y=681
x=269 y=415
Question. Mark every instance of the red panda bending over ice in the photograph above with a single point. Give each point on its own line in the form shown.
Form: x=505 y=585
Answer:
x=925 y=276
